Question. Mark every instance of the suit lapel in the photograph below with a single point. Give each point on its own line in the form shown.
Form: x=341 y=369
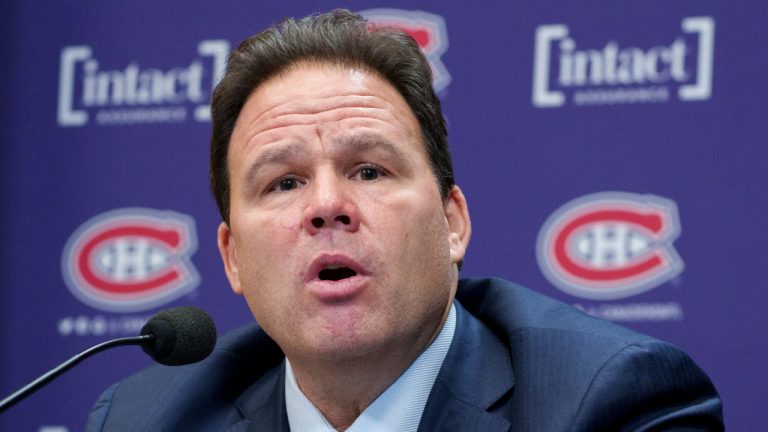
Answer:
x=263 y=404
x=476 y=373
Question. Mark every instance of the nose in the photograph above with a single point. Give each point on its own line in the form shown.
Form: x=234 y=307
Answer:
x=330 y=206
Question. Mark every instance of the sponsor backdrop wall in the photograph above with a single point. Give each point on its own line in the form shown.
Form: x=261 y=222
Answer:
x=613 y=154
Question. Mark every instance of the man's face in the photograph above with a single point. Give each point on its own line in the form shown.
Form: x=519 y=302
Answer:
x=338 y=238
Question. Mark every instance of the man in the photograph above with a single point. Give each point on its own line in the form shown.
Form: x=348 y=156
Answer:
x=344 y=231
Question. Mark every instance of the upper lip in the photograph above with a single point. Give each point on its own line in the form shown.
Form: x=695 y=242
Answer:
x=326 y=260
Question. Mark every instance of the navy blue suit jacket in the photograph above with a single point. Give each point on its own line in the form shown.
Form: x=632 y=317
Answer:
x=519 y=361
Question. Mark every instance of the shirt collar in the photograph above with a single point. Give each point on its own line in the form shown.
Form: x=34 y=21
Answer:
x=400 y=406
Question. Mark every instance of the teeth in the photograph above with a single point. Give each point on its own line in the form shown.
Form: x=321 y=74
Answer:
x=333 y=267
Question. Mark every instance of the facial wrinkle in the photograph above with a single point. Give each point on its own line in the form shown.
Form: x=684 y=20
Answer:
x=351 y=99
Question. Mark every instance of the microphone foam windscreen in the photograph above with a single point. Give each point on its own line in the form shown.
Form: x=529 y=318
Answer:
x=182 y=335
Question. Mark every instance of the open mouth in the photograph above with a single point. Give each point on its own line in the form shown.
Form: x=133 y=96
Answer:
x=336 y=273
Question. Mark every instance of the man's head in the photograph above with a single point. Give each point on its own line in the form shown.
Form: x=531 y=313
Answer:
x=339 y=37
x=337 y=233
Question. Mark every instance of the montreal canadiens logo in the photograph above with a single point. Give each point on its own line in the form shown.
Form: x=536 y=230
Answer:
x=427 y=29
x=610 y=245
x=131 y=259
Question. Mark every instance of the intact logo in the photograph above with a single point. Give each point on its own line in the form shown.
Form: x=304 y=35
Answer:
x=131 y=94
x=614 y=74
x=131 y=259
x=427 y=29
x=610 y=245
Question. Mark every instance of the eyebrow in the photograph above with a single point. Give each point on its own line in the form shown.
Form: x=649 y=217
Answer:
x=354 y=144
x=366 y=142
x=274 y=155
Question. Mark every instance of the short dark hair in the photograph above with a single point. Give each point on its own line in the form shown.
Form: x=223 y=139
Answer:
x=338 y=37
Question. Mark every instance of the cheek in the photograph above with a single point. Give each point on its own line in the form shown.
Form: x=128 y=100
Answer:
x=264 y=233
x=417 y=232
x=266 y=251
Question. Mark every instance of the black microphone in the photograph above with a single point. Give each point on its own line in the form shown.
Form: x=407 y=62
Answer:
x=182 y=335
x=173 y=337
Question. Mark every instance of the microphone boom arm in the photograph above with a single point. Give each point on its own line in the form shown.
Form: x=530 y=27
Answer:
x=60 y=369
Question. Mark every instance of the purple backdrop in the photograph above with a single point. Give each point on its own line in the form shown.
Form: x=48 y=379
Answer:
x=613 y=155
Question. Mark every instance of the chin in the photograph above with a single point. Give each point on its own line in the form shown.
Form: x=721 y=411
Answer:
x=347 y=347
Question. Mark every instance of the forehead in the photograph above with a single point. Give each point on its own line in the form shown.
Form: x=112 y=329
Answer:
x=311 y=94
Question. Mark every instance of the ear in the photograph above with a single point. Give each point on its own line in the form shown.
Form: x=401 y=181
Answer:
x=228 y=251
x=459 y=225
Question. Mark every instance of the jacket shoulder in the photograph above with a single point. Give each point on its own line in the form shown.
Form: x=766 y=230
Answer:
x=510 y=309
x=171 y=395
x=576 y=372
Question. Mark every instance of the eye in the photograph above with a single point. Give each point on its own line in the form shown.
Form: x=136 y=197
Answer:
x=285 y=184
x=368 y=173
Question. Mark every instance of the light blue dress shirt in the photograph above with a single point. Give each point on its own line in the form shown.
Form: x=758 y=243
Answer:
x=399 y=408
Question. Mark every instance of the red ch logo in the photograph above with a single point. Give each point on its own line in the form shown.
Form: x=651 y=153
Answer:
x=131 y=259
x=427 y=29
x=610 y=245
